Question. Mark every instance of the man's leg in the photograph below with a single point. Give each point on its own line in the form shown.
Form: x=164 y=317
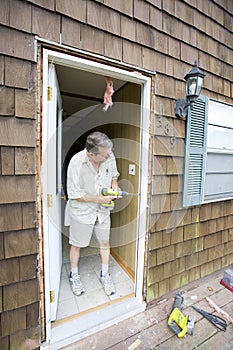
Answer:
x=104 y=251
x=105 y=255
x=77 y=286
x=104 y=275
x=102 y=232
x=74 y=258
x=80 y=235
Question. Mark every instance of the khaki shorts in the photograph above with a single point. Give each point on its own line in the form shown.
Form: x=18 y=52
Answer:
x=81 y=234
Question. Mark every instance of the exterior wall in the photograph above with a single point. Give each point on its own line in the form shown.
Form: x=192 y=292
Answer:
x=165 y=36
x=186 y=244
x=19 y=293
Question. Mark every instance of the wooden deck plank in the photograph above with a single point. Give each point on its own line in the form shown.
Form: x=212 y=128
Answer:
x=219 y=341
x=149 y=330
x=203 y=330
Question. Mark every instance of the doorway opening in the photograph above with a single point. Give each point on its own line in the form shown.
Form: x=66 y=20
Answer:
x=78 y=87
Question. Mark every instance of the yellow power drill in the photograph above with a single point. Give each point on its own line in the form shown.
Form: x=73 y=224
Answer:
x=177 y=321
x=114 y=192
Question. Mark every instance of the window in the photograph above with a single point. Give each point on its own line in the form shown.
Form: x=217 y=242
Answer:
x=219 y=160
x=209 y=152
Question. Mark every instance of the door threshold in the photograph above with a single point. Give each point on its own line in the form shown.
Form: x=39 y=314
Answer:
x=73 y=330
x=91 y=310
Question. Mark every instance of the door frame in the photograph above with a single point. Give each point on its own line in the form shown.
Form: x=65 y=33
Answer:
x=136 y=304
x=54 y=188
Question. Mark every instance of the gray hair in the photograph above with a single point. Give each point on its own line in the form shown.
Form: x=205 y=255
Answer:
x=97 y=139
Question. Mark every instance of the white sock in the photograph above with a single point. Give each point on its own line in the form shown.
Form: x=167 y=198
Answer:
x=104 y=269
x=74 y=270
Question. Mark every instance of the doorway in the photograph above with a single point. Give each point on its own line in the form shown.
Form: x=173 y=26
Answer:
x=81 y=85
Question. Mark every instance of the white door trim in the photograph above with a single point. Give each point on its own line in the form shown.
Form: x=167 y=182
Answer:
x=133 y=305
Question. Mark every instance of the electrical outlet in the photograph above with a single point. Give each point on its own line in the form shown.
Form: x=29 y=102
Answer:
x=131 y=169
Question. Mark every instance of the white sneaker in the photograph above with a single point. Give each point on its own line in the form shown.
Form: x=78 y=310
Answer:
x=76 y=284
x=107 y=283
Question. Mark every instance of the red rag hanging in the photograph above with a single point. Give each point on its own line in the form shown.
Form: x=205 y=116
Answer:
x=108 y=94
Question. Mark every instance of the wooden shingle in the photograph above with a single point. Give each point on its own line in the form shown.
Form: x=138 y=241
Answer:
x=11 y=217
x=145 y=35
x=20 y=294
x=151 y=60
x=7 y=103
x=29 y=215
x=0 y=299
x=17 y=132
x=25 y=161
x=2 y=67
x=4 y=343
x=103 y=18
x=142 y=11
x=26 y=339
x=177 y=235
x=156 y=18
x=20 y=243
x=33 y=313
x=17 y=73
x=9 y=271
x=7 y=160
x=25 y=103
x=10 y=297
x=46 y=24
x=184 y=12
x=27 y=267
x=132 y=53
x=92 y=39
x=113 y=46
x=5 y=12
x=20 y=189
x=50 y=5
x=123 y=6
x=164 y=286
x=17 y=44
x=13 y=321
x=165 y=254
x=128 y=28
x=2 y=252
x=70 y=8
x=20 y=15
x=71 y=32
x=28 y=292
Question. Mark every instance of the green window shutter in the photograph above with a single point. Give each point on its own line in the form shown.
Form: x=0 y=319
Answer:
x=195 y=152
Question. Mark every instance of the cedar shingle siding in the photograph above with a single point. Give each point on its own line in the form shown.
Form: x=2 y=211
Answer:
x=159 y=35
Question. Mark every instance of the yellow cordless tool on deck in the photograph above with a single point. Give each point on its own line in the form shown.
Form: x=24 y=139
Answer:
x=177 y=321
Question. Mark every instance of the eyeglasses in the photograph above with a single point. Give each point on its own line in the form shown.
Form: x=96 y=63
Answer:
x=105 y=155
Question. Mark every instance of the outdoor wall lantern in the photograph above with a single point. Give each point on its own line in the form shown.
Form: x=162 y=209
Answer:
x=193 y=85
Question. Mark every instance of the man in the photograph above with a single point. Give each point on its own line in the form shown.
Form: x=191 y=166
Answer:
x=88 y=172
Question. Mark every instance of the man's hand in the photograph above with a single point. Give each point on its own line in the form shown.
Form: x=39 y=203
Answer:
x=96 y=199
x=106 y=199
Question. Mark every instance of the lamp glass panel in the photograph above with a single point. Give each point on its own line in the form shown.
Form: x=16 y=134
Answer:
x=191 y=86
x=199 y=85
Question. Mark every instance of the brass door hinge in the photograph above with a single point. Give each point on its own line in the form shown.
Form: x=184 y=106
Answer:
x=49 y=200
x=52 y=296
x=50 y=93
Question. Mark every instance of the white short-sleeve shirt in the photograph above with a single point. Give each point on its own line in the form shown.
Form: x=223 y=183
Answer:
x=83 y=178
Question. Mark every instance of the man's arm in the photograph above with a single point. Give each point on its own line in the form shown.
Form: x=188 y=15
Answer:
x=96 y=199
x=99 y=199
x=114 y=184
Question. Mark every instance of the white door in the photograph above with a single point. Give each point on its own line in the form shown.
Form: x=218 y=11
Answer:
x=54 y=187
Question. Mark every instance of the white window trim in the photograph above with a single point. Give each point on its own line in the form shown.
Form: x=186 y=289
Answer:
x=211 y=150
